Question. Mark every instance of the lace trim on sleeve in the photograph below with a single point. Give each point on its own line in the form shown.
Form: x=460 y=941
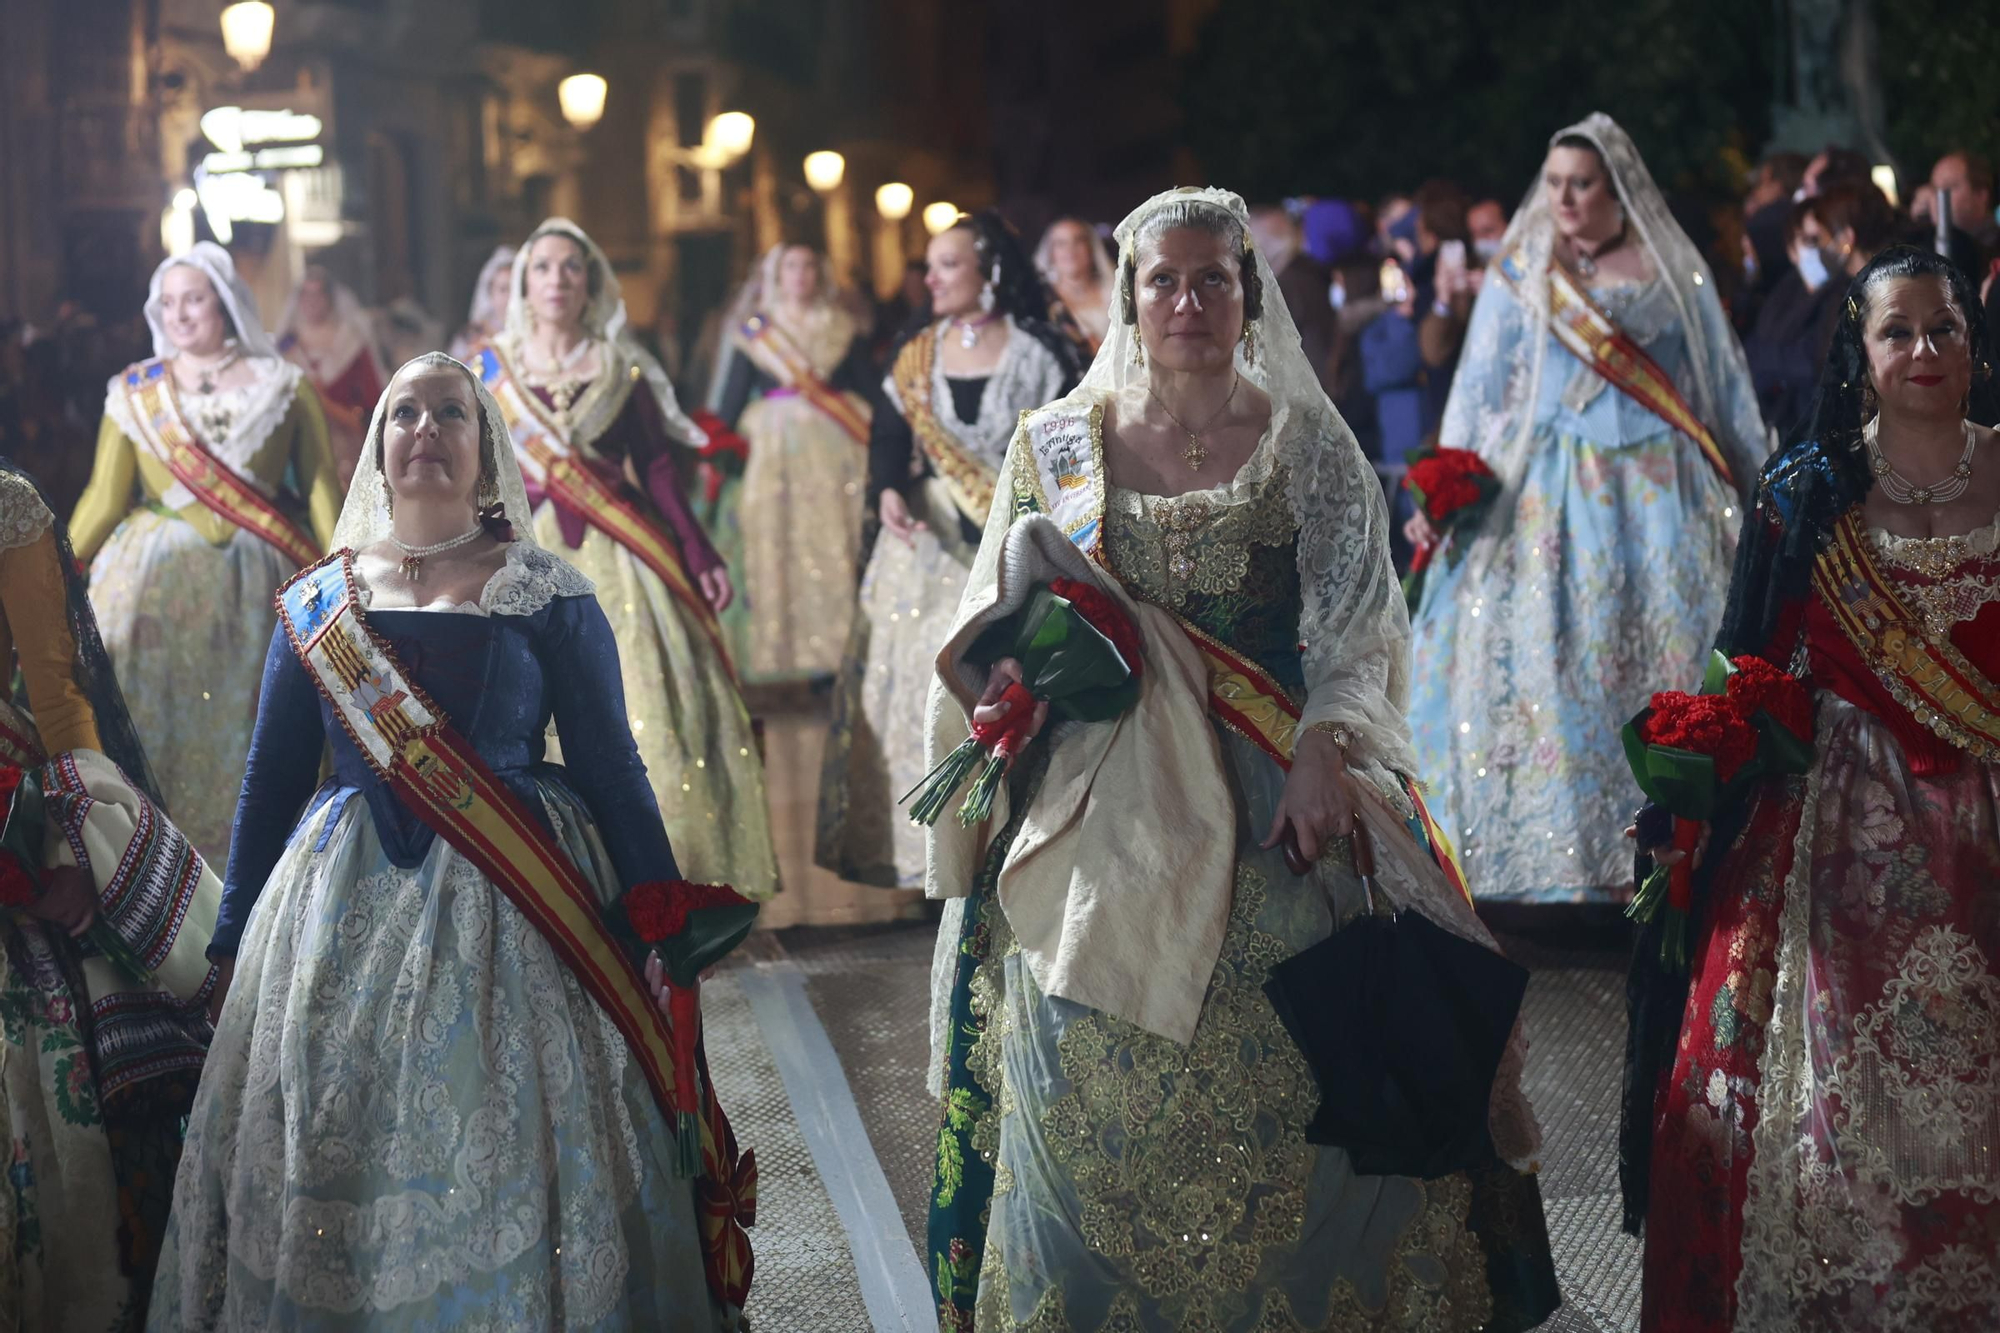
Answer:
x=530 y=580
x=23 y=516
x=1353 y=622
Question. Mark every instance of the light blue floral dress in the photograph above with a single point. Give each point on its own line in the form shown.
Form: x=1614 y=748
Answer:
x=1596 y=581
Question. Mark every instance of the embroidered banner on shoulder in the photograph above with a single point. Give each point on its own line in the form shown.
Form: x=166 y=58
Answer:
x=1063 y=450
x=1597 y=341
x=549 y=461
x=794 y=371
x=969 y=480
x=414 y=749
x=1931 y=678
x=164 y=432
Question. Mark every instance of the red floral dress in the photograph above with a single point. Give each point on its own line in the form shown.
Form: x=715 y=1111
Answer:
x=1826 y=1150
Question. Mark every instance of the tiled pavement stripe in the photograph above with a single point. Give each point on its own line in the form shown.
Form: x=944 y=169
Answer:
x=885 y=1264
x=797 y=1239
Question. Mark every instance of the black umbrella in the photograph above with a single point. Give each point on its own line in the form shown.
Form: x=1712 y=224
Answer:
x=1404 y=1025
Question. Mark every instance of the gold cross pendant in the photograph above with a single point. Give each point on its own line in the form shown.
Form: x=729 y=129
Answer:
x=1194 y=453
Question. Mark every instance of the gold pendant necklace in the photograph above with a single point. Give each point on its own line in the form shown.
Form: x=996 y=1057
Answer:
x=1196 y=452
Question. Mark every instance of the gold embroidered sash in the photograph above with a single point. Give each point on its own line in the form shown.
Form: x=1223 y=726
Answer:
x=413 y=748
x=1597 y=341
x=1928 y=676
x=164 y=433
x=550 y=462
x=969 y=480
x=791 y=368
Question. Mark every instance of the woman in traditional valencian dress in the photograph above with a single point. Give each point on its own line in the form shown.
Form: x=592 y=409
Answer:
x=490 y=299
x=1124 y=1134
x=1072 y=262
x=793 y=348
x=326 y=333
x=425 y=1109
x=97 y=1067
x=213 y=484
x=1603 y=385
x=597 y=430
x=1822 y=1094
x=954 y=391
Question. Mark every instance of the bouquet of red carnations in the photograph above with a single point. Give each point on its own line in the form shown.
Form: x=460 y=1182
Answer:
x=21 y=837
x=1452 y=488
x=1694 y=754
x=1079 y=653
x=691 y=927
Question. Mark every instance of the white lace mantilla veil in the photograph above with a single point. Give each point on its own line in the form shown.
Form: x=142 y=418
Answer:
x=364 y=519
x=1720 y=390
x=480 y=316
x=828 y=299
x=1354 y=623
x=603 y=319
x=265 y=403
x=214 y=263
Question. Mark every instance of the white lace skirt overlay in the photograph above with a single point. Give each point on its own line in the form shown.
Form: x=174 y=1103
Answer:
x=414 y=1118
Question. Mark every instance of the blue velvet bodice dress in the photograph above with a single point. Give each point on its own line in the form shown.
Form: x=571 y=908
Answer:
x=414 y=1117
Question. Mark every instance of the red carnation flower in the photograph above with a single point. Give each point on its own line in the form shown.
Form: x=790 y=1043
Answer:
x=1710 y=724
x=648 y=909
x=1104 y=616
x=658 y=909
x=1757 y=685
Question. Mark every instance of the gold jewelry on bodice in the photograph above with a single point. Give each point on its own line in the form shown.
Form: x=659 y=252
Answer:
x=561 y=382
x=1900 y=489
x=1189 y=545
x=1954 y=577
x=1196 y=452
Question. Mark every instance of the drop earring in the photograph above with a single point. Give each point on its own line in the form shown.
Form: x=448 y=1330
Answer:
x=1249 y=345
x=388 y=498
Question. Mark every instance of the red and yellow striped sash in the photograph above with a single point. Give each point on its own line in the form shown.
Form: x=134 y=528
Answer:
x=149 y=388
x=572 y=482
x=764 y=333
x=1249 y=701
x=1930 y=677
x=417 y=753
x=1596 y=340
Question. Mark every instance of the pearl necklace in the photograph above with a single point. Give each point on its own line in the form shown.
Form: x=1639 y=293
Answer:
x=1900 y=489
x=412 y=567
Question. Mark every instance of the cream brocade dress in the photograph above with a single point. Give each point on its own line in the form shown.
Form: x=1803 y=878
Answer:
x=1141 y=1185
x=183 y=596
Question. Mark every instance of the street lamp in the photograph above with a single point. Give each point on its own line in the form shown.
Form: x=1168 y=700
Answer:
x=582 y=98
x=894 y=200
x=940 y=217
x=246 y=32
x=824 y=170
x=730 y=134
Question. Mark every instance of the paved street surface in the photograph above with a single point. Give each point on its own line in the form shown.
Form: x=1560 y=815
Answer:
x=817 y=1037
